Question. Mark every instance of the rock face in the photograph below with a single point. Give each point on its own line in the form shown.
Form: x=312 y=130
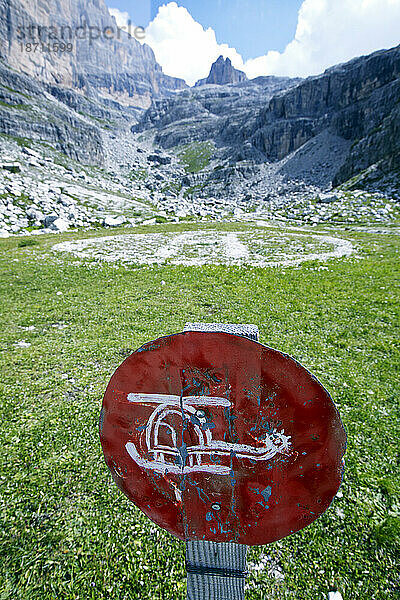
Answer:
x=209 y=112
x=357 y=101
x=222 y=72
x=102 y=59
x=349 y=116
x=29 y=110
x=379 y=148
x=64 y=94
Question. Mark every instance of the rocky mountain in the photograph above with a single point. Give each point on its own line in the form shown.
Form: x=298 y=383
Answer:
x=30 y=110
x=67 y=73
x=357 y=101
x=79 y=148
x=101 y=58
x=222 y=72
x=208 y=112
x=322 y=130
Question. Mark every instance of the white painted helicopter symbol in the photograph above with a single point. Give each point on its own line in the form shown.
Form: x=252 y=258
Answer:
x=207 y=453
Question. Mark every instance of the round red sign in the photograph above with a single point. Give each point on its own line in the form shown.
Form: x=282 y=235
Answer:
x=217 y=437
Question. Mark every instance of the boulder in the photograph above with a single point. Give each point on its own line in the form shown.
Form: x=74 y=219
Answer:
x=59 y=225
x=12 y=167
x=327 y=198
x=111 y=221
x=161 y=160
x=33 y=214
x=49 y=219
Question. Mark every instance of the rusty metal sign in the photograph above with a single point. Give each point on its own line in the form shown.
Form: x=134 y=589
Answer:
x=217 y=437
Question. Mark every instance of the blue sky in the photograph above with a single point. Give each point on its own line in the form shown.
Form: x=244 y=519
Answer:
x=261 y=37
x=252 y=27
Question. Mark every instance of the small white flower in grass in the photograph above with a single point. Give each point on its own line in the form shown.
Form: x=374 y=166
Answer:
x=335 y=596
x=277 y=574
x=163 y=282
x=339 y=494
x=22 y=344
x=59 y=294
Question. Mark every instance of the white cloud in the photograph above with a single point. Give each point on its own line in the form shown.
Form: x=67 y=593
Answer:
x=181 y=45
x=332 y=31
x=122 y=17
x=328 y=32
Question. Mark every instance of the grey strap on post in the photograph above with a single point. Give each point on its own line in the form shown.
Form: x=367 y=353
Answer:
x=217 y=571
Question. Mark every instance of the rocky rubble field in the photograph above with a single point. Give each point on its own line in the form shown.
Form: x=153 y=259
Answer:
x=43 y=191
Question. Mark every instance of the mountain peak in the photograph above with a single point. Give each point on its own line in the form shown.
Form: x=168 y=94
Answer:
x=222 y=72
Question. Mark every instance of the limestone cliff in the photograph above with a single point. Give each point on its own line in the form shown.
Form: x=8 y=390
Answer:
x=103 y=58
x=210 y=112
x=28 y=111
x=268 y=119
x=357 y=101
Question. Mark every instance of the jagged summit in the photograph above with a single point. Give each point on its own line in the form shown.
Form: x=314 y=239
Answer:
x=222 y=71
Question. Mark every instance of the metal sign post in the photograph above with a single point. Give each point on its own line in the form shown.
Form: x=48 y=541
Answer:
x=217 y=570
x=225 y=443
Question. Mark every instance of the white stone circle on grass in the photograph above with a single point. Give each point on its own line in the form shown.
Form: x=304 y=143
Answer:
x=258 y=247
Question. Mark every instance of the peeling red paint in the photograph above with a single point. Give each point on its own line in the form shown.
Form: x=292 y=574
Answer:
x=222 y=439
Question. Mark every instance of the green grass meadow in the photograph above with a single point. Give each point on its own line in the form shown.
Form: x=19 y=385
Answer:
x=68 y=533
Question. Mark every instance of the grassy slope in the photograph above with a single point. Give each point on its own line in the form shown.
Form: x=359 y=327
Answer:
x=68 y=533
x=196 y=156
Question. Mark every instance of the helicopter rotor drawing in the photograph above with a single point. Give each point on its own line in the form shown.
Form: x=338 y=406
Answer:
x=208 y=454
